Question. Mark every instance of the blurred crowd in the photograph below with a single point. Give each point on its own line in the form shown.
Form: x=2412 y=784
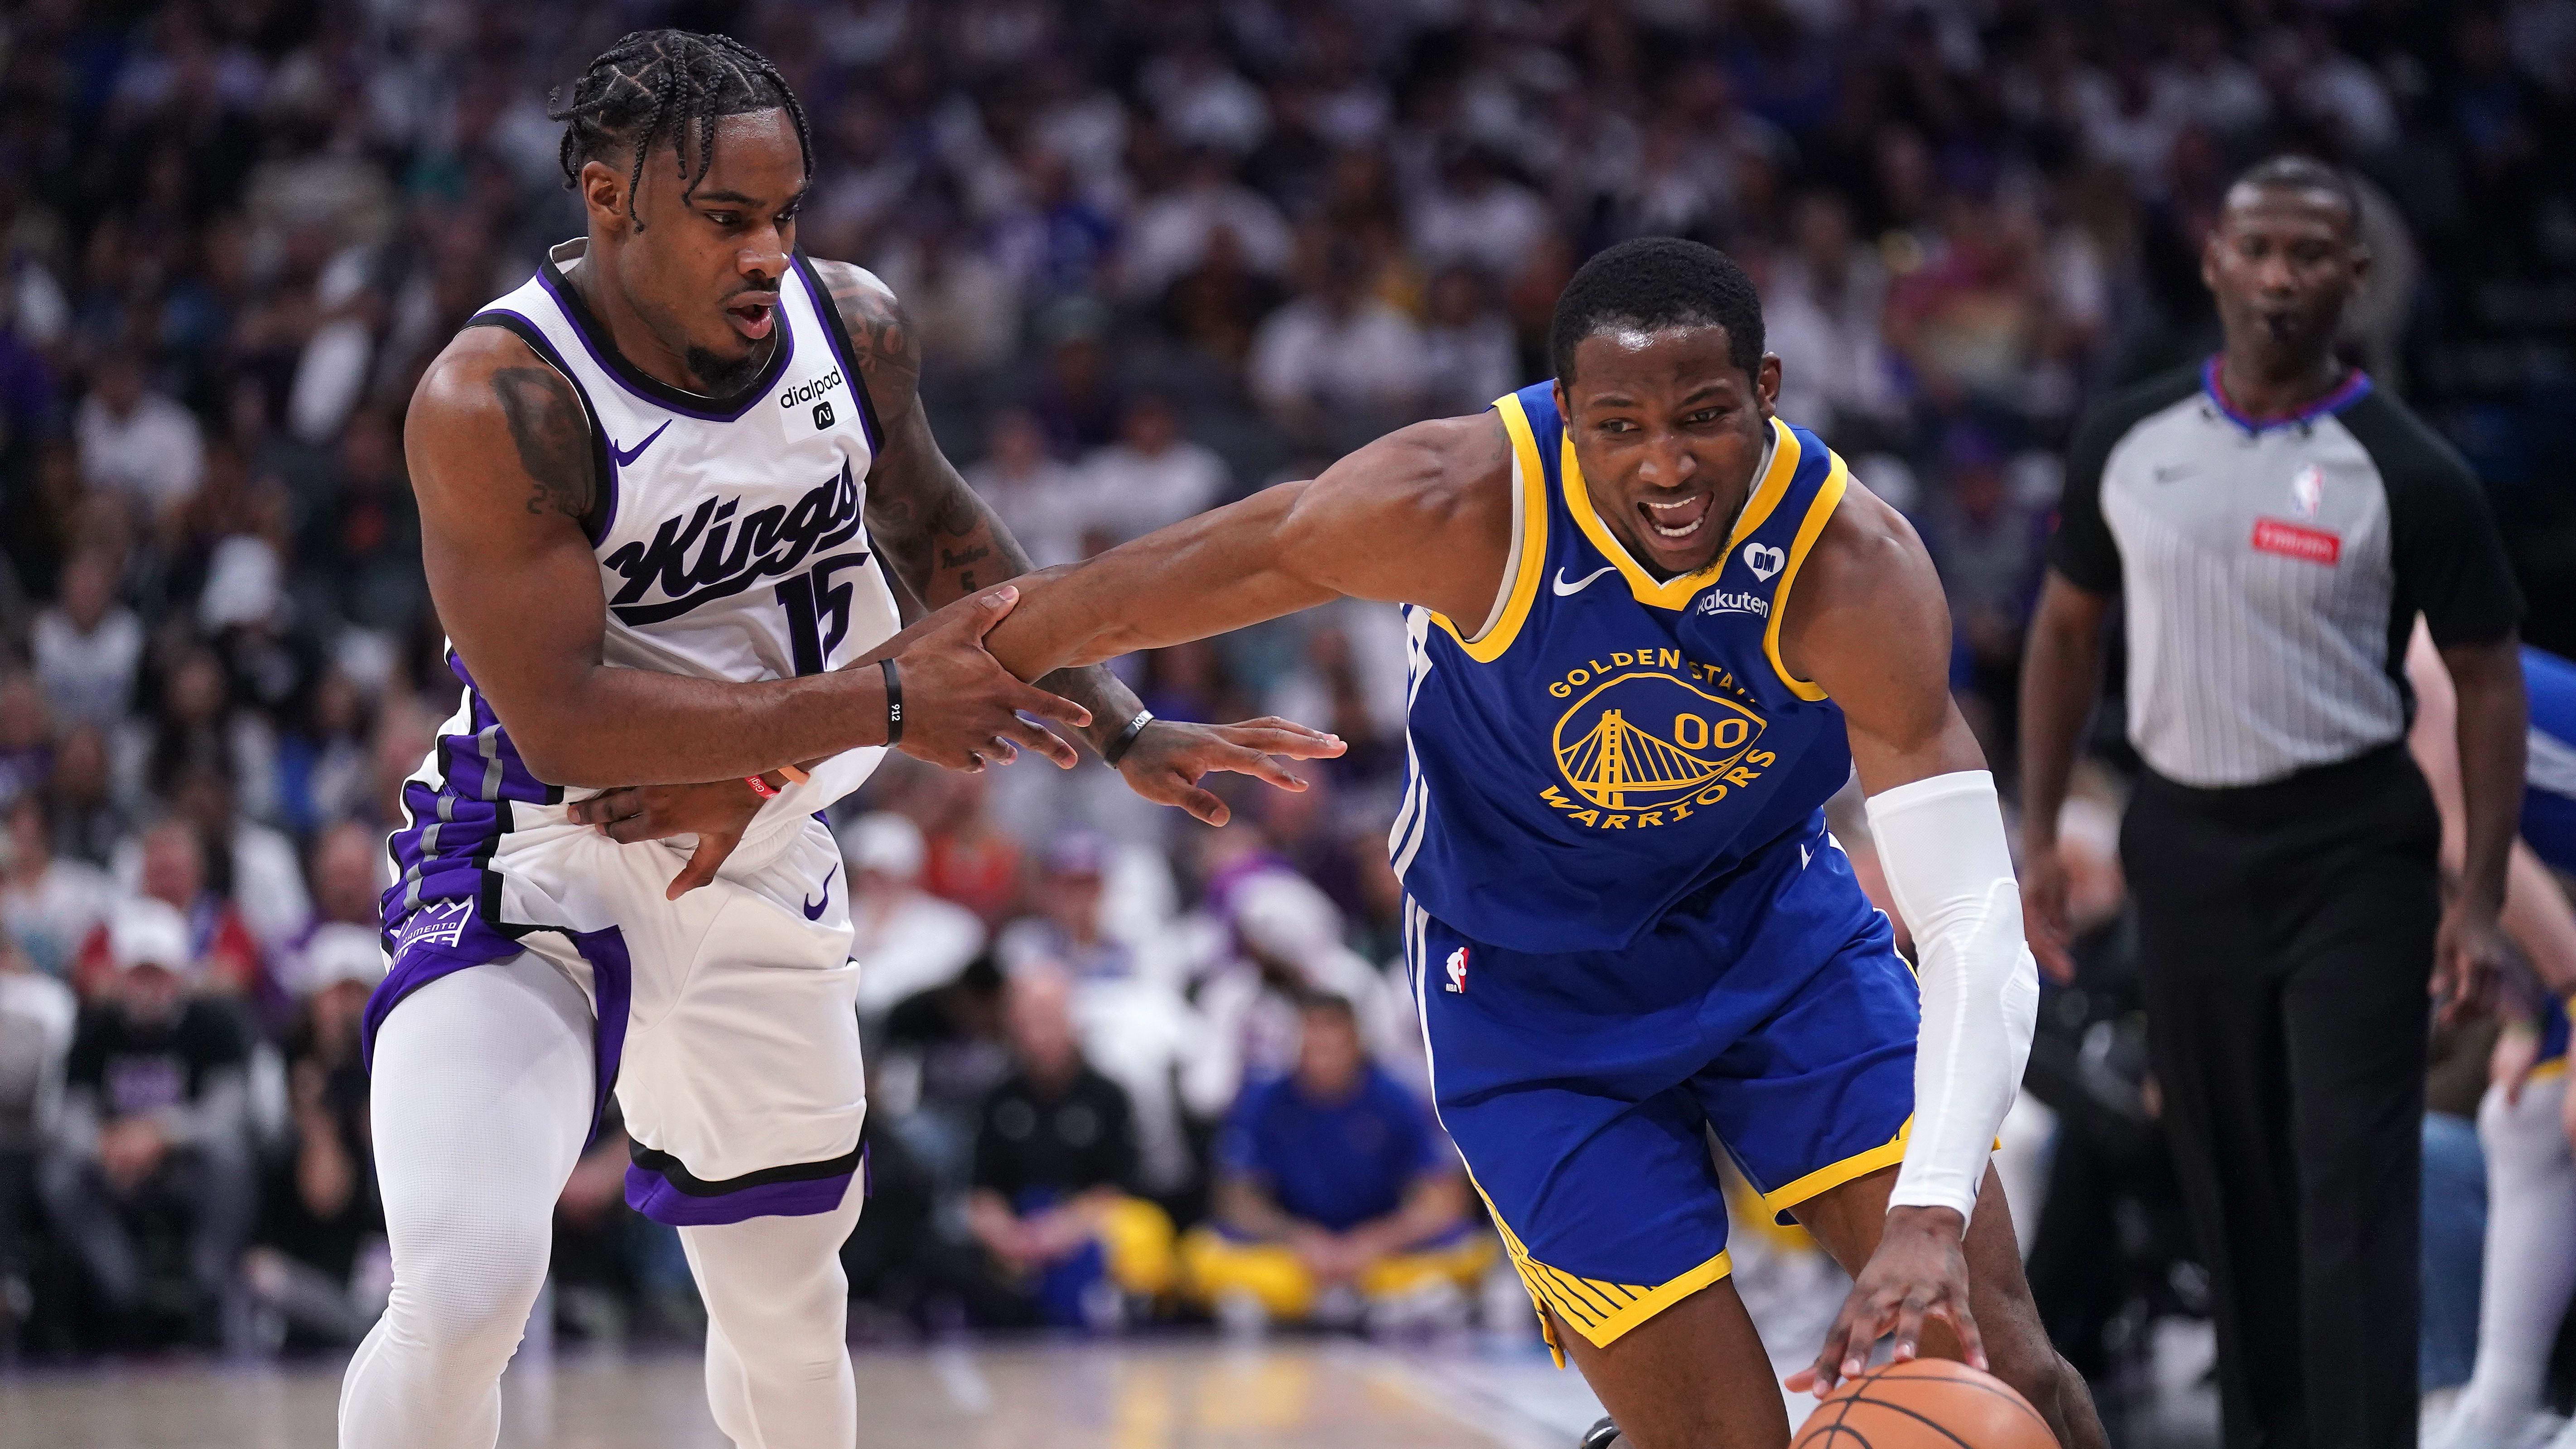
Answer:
x=1159 y=255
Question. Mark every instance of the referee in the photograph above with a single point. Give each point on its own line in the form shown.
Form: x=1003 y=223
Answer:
x=2272 y=525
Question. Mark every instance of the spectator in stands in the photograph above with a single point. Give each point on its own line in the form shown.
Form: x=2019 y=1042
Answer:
x=136 y=443
x=1038 y=497
x=37 y=1013
x=169 y=868
x=88 y=647
x=1337 y=364
x=1171 y=233
x=80 y=796
x=1820 y=313
x=26 y=735
x=365 y=531
x=1055 y=1173
x=323 y=757
x=152 y=1161
x=50 y=905
x=905 y=939
x=1150 y=477
x=320 y=1270
x=1131 y=1023
x=1335 y=1194
x=1467 y=347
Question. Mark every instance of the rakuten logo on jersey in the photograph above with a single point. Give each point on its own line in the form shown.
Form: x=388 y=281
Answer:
x=711 y=554
x=798 y=396
x=1742 y=602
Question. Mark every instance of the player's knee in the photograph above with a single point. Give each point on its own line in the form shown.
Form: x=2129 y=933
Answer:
x=471 y=1296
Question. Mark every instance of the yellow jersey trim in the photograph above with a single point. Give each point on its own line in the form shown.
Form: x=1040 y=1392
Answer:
x=1819 y=513
x=1826 y=1179
x=1600 y=1310
x=1529 y=540
x=1676 y=593
x=2543 y=1071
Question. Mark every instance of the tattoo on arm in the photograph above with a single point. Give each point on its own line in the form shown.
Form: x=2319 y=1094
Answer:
x=552 y=435
x=929 y=527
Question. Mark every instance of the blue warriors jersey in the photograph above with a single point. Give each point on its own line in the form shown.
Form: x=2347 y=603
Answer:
x=1610 y=742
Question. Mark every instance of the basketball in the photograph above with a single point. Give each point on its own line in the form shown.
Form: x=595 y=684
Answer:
x=1925 y=1403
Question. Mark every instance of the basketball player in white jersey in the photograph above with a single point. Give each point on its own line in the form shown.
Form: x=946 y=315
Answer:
x=661 y=486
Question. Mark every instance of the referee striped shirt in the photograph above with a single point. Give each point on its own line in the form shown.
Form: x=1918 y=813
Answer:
x=2271 y=571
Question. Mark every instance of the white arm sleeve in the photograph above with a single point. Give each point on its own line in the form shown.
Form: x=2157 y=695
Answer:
x=1941 y=844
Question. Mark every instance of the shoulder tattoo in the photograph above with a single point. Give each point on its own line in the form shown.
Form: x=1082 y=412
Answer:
x=879 y=331
x=548 y=428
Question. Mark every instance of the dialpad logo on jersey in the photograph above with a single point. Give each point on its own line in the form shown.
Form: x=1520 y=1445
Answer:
x=806 y=392
x=440 y=923
x=1642 y=743
x=711 y=554
x=822 y=416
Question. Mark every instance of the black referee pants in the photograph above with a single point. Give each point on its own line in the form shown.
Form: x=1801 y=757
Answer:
x=2287 y=944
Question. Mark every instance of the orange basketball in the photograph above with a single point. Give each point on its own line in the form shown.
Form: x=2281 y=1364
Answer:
x=1924 y=1403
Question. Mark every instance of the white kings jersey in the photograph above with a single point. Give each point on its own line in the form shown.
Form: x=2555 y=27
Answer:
x=731 y=545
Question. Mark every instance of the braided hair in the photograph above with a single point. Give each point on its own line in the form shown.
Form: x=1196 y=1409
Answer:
x=655 y=82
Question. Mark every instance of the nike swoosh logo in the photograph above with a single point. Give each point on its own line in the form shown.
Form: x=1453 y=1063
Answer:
x=626 y=459
x=814 y=909
x=1578 y=586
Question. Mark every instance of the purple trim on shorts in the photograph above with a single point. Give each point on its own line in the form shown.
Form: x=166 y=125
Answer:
x=444 y=949
x=650 y=1193
x=612 y=987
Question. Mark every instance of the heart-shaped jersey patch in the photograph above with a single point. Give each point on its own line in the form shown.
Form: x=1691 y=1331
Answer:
x=1764 y=561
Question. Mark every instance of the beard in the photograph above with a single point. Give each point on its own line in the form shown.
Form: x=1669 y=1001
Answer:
x=725 y=376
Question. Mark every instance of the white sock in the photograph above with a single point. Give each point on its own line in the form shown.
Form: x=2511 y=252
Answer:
x=481 y=1099
x=2530 y=1253
x=778 y=1357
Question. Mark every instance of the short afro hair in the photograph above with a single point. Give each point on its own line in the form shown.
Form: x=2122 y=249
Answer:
x=1656 y=282
x=2293 y=172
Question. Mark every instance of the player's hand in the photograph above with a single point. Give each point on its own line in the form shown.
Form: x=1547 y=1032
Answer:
x=2509 y=1064
x=2468 y=953
x=961 y=708
x=1167 y=761
x=717 y=813
x=1919 y=1273
x=2043 y=912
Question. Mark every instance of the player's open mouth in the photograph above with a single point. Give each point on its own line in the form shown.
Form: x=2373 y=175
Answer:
x=753 y=316
x=1678 y=519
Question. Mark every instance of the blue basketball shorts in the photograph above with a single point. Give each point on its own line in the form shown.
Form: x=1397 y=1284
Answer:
x=1769 y=1017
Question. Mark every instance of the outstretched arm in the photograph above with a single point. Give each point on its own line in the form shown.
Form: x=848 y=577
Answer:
x=500 y=458
x=1869 y=625
x=946 y=542
x=929 y=527
x=1421 y=516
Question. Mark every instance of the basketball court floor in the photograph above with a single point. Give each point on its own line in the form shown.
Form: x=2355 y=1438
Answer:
x=1180 y=1393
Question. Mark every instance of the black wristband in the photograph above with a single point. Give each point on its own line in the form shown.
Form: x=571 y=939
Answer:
x=1126 y=740
x=894 y=701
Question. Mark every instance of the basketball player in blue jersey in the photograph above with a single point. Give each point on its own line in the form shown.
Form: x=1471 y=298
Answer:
x=2528 y=1119
x=1653 y=627
x=662 y=488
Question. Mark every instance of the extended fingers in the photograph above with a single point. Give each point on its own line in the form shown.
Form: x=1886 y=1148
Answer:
x=1038 y=740
x=703 y=864
x=1029 y=699
x=1258 y=765
x=606 y=806
x=1295 y=741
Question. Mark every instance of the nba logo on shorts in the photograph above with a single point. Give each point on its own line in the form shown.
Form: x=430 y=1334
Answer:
x=1458 y=970
x=822 y=415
